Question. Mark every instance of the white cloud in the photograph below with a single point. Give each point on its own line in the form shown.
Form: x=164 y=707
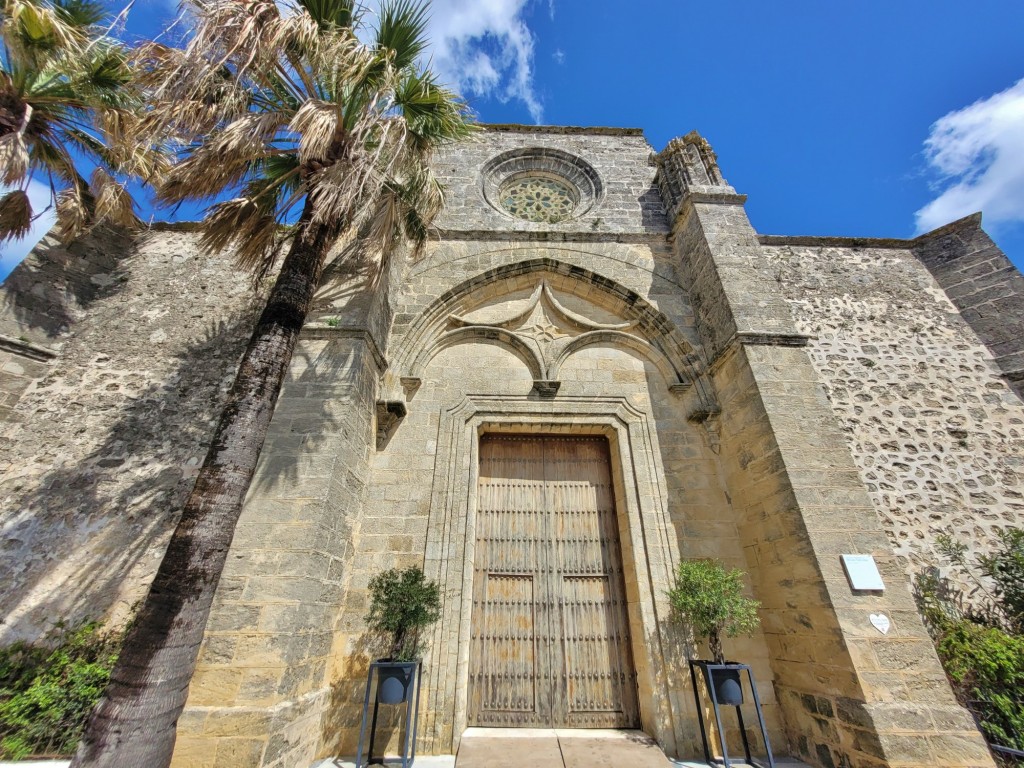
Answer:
x=484 y=48
x=481 y=48
x=13 y=251
x=978 y=154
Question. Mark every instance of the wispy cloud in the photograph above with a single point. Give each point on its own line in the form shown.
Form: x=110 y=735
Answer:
x=978 y=155
x=13 y=251
x=485 y=48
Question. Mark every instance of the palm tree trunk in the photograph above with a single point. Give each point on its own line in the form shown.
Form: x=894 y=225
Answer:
x=135 y=722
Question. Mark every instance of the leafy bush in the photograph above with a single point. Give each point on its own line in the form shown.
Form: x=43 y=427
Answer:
x=986 y=667
x=709 y=599
x=401 y=604
x=47 y=690
x=1006 y=568
x=999 y=602
x=979 y=635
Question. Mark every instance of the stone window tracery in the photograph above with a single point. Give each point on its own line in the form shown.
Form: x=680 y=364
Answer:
x=541 y=186
x=539 y=198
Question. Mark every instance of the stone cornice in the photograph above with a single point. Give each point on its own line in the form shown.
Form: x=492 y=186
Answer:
x=752 y=339
x=26 y=349
x=329 y=333
x=547 y=237
x=564 y=130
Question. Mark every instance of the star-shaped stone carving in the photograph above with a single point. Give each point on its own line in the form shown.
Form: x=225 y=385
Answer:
x=544 y=331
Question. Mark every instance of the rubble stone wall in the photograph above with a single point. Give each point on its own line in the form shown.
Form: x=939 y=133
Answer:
x=101 y=444
x=937 y=432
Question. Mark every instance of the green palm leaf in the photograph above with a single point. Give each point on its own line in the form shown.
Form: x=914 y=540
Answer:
x=67 y=88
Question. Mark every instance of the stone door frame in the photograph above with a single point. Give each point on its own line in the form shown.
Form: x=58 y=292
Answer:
x=649 y=547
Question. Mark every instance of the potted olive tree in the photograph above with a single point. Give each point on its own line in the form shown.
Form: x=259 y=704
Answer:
x=708 y=598
x=402 y=604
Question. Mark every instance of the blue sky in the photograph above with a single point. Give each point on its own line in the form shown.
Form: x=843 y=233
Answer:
x=878 y=119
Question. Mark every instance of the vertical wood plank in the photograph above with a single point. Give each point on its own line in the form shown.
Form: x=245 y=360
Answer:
x=550 y=633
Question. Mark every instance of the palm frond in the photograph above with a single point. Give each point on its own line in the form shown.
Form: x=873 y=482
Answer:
x=34 y=31
x=332 y=13
x=69 y=94
x=14 y=158
x=15 y=215
x=79 y=13
x=435 y=115
x=316 y=123
x=401 y=31
x=245 y=224
x=74 y=210
x=114 y=205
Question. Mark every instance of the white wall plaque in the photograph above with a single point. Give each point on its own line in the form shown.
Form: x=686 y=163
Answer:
x=862 y=571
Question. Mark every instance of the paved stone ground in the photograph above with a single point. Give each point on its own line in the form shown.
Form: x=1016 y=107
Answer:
x=553 y=748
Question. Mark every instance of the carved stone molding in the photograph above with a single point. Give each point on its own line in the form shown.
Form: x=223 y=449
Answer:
x=687 y=164
x=389 y=414
x=544 y=333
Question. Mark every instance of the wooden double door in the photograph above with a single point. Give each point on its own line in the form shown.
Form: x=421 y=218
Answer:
x=550 y=632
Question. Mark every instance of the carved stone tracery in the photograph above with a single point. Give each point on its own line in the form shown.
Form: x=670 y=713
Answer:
x=544 y=325
x=543 y=332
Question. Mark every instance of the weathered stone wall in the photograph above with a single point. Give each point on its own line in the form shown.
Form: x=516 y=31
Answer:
x=101 y=448
x=728 y=439
x=407 y=498
x=983 y=284
x=936 y=432
x=628 y=204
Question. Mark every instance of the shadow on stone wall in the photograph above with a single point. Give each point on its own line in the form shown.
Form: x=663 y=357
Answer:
x=56 y=282
x=83 y=538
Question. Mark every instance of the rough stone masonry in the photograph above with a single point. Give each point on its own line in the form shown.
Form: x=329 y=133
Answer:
x=772 y=402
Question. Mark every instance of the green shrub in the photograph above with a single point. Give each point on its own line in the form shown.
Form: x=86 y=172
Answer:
x=401 y=604
x=47 y=690
x=1006 y=568
x=979 y=635
x=986 y=667
x=999 y=601
x=709 y=599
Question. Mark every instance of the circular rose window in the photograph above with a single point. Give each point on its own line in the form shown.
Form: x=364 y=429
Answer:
x=538 y=198
x=541 y=186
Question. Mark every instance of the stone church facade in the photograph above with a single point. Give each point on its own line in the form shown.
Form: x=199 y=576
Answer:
x=595 y=368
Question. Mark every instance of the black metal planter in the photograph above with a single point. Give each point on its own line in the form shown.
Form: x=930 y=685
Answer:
x=395 y=679
x=724 y=684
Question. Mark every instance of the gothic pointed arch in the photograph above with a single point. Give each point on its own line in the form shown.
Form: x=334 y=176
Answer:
x=537 y=327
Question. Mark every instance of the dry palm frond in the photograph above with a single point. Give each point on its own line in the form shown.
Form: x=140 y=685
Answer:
x=280 y=106
x=15 y=215
x=113 y=203
x=14 y=158
x=202 y=175
x=66 y=94
x=131 y=145
x=72 y=214
x=245 y=223
x=249 y=135
x=316 y=122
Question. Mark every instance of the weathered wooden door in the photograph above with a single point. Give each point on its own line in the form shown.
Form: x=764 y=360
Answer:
x=550 y=634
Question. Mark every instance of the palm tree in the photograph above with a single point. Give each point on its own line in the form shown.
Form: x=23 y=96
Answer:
x=67 y=98
x=312 y=129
